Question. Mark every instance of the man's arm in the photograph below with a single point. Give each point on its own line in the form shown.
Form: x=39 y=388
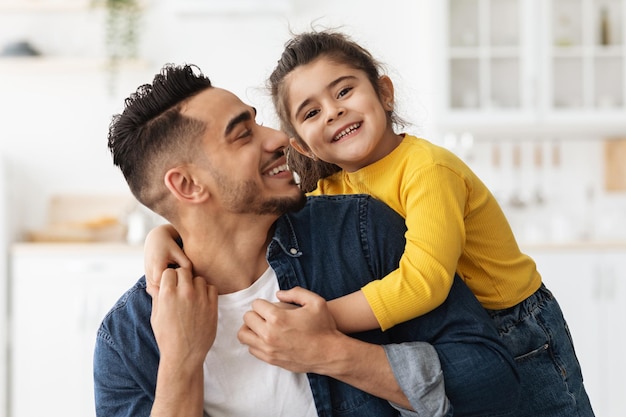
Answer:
x=184 y=320
x=306 y=339
x=418 y=371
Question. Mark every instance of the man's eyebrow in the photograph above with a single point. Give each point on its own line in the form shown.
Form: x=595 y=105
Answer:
x=330 y=85
x=244 y=116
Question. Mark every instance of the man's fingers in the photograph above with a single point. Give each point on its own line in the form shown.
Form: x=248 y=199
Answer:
x=299 y=296
x=210 y=289
x=254 y=321
x=245 y=335
x=181 y=260
x=286 y=306
x=152 y=289
x=169 y=279
x=263 y=308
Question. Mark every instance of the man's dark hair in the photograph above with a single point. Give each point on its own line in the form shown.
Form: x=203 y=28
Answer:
x=151 y=135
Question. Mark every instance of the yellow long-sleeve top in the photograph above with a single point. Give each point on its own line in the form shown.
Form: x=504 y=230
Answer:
x=454 y=223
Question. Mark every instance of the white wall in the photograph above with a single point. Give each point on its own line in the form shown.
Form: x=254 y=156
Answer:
x=54 y=118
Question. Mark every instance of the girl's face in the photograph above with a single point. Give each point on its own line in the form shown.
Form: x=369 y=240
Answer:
x=336 y=111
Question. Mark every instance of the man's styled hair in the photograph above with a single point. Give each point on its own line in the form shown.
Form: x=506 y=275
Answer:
x=151 y=135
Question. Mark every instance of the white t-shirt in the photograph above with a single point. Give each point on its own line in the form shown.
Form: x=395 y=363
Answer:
x=236 y=384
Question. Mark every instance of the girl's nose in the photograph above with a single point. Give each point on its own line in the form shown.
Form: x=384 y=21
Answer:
x=335 y=114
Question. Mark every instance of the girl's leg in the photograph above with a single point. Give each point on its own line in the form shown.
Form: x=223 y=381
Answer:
x=538 y=337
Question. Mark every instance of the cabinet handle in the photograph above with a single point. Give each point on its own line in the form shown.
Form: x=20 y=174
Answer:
x=610 y=282
x=605 y=282
x=597 y=289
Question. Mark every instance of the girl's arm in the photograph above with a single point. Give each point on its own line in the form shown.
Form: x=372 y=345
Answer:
x=352 y=313
x=433 y=205
x=434 y=201
x=161 y=250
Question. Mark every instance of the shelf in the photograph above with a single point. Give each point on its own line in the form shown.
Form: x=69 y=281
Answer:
x=216 y=7
x=60 y=6
x=26 y=65
x=97 y=248
x=39 y=6
x=484 y=51
x=534 y=61
x=578 y=51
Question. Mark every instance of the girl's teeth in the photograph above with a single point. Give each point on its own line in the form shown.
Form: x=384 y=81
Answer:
x=346 y=131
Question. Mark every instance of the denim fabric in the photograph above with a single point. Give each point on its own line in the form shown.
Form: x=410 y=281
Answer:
x=333 y=258
x=537 y=335
x=126 y=357
x=425 y=363
x=333 y=246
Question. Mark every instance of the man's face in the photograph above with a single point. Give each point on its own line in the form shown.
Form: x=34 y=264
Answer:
x=247 y=170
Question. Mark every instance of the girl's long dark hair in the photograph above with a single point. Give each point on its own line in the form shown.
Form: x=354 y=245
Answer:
x=301 y=50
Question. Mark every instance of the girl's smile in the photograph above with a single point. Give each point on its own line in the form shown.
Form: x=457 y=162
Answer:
x=338 y=114
x=347 y=131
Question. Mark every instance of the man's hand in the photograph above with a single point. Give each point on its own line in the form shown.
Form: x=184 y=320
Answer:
x=184 y=321
x=184 y=316
x=296 y=339
x=306 y=339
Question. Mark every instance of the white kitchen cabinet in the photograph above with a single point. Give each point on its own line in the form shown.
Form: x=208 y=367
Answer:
x=59 y=295
x=542 y=62
x=590 y=285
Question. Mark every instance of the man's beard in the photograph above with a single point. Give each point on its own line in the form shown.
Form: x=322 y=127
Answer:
x=245 y=198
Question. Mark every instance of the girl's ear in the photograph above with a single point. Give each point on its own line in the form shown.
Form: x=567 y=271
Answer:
x=183 y=185
x=301 y=148
x=386 y=92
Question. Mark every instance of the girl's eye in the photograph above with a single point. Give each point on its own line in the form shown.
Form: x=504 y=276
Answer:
x=344 y=91
x=310 y=114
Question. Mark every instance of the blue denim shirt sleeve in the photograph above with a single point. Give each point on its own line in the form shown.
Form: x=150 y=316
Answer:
x=427 y=393
x=126 y=357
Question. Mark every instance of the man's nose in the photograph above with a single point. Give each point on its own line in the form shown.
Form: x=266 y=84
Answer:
x=273 y=139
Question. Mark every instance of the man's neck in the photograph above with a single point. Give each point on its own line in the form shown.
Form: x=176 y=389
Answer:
x=229 y=255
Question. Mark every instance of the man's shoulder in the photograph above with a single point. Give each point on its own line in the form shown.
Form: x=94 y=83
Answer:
x=362 y=205
x=327 y=215
x=337 y=201
x=132 y=309
x=136 y=294
x=126 y=355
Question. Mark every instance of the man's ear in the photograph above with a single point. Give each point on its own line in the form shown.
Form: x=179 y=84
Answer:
x=183 y=185
x=301 y=148
x=386 y=92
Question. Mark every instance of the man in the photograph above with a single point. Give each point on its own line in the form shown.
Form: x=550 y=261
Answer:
x=194 y=154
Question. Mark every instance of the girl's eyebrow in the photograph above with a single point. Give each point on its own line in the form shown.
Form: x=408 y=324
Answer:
x=328 y=87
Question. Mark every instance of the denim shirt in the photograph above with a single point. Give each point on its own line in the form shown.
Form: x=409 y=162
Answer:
x=333 y=247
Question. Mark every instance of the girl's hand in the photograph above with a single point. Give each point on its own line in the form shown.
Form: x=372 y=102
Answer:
x=161 y=251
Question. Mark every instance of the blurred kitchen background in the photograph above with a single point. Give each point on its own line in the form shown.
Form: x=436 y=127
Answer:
x=530 y=93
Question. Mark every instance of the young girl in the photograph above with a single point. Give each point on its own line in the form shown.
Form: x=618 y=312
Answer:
x=333 y=101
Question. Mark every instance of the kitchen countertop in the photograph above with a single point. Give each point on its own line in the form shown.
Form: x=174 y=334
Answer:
x=575 y=245
x=123 y=247
x=76 y=247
